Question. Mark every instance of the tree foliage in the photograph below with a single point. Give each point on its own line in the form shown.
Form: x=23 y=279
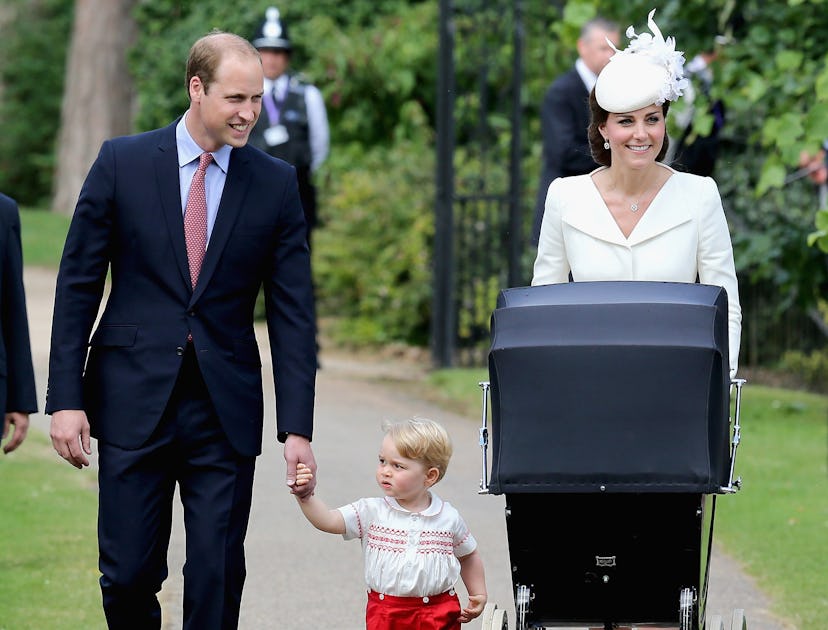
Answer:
x=376 y=64
x=32 y=61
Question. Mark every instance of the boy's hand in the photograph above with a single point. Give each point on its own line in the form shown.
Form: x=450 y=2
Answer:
x=303 y=474
x=474 y=609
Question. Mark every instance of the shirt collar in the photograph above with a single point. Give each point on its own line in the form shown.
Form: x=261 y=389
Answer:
x=433 y=509
x=278 y=86
x=188 y=150
x=587 y=76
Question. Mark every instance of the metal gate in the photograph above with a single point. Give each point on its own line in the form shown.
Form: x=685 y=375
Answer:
x=478 y=224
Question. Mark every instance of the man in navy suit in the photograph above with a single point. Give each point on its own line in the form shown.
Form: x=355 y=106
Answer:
x=171 y=385
x=565 y=112
x=17 y=383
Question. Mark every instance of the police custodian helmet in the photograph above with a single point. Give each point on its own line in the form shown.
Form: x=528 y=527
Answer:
x=272 y=33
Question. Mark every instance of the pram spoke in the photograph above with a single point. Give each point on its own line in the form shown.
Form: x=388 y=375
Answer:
x=715 y=623
x=738 y=621
x=494 y=618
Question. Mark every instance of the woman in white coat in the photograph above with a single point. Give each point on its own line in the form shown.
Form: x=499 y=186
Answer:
x=635 y=218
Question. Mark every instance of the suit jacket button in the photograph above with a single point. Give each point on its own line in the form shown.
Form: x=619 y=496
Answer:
x=191 y=313
x=179 y=351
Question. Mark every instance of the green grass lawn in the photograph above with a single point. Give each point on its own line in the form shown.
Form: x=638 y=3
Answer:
x=43 y=234
x=49 y=556
x=777 y=525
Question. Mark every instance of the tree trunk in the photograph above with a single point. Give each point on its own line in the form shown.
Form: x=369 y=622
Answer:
x=98 y=94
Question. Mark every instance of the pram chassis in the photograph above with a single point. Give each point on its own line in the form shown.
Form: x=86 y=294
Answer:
x=615 y=554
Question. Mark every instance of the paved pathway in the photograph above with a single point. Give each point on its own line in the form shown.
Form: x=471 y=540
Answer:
x=301 y=578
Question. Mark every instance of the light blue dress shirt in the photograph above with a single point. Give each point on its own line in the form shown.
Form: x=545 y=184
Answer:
x=188 y=154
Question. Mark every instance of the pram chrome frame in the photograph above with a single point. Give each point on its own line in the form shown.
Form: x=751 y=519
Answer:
x=609 y=507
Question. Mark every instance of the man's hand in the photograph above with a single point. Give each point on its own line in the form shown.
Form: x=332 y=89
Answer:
x=70 y=436
x=298 y=449
x=21 y=427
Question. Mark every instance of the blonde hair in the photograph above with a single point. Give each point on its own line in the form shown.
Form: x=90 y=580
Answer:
x=421 y=439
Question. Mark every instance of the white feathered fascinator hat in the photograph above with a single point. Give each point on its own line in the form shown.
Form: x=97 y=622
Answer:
x=649 y=71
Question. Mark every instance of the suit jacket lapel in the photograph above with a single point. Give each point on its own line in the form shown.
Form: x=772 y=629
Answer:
x=166 y=173
x=232 y=198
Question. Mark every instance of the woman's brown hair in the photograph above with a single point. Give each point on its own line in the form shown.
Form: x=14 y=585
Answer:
x=597 y=117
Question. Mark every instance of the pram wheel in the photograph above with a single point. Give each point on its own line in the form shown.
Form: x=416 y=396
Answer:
x=738 y=621
x=687 y=604
x=494 y=618
x=632 y=472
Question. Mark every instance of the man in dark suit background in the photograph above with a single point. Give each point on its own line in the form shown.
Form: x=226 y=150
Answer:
x=172 y=384
x=17 y=383
x=565 y=112
x=294 y=122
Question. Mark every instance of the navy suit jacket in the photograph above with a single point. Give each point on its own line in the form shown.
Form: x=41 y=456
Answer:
x=17 y=382
x=128 y=222
x=564 y=123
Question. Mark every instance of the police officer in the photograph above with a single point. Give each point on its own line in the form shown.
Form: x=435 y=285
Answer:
x=293 y=125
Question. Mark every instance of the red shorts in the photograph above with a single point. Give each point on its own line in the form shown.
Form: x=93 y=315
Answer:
x=437 y=612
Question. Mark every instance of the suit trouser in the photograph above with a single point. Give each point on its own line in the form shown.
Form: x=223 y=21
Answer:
x=136 y=490
x=307 y=195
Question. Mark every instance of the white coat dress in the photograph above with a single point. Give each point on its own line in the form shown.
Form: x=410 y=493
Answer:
x=682 y=236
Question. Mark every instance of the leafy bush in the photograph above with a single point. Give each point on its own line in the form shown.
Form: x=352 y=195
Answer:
x=811 y=368
x=376 y=63
x=372 y=258
x=31 y=97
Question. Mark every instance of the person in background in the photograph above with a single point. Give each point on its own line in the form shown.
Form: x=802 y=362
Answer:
x=294 y=123
x=189 y=223
x=415 y=545
x=565 y=112
x=634 y=218
x=18 y=398
x=814 y=166
x=696 y=153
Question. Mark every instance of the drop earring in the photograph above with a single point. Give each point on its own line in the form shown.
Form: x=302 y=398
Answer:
x=606 y=144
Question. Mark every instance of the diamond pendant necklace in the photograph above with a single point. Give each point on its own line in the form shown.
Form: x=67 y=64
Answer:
x=635 y=204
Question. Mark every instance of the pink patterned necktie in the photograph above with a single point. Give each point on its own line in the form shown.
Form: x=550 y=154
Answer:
x=195 y=218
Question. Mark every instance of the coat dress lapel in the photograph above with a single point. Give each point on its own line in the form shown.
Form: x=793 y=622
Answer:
x=594 y=218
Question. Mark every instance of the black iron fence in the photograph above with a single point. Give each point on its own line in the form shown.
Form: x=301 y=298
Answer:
x=478 y=231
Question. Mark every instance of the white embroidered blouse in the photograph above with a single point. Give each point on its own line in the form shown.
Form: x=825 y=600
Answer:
x=408 y=554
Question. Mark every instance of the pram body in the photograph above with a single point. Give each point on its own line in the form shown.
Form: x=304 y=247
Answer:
x=611 y=437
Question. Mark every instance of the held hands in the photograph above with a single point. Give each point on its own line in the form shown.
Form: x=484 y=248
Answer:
x=70 y=436
x=304 y=476
x=298 y=453
x=474 y=609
